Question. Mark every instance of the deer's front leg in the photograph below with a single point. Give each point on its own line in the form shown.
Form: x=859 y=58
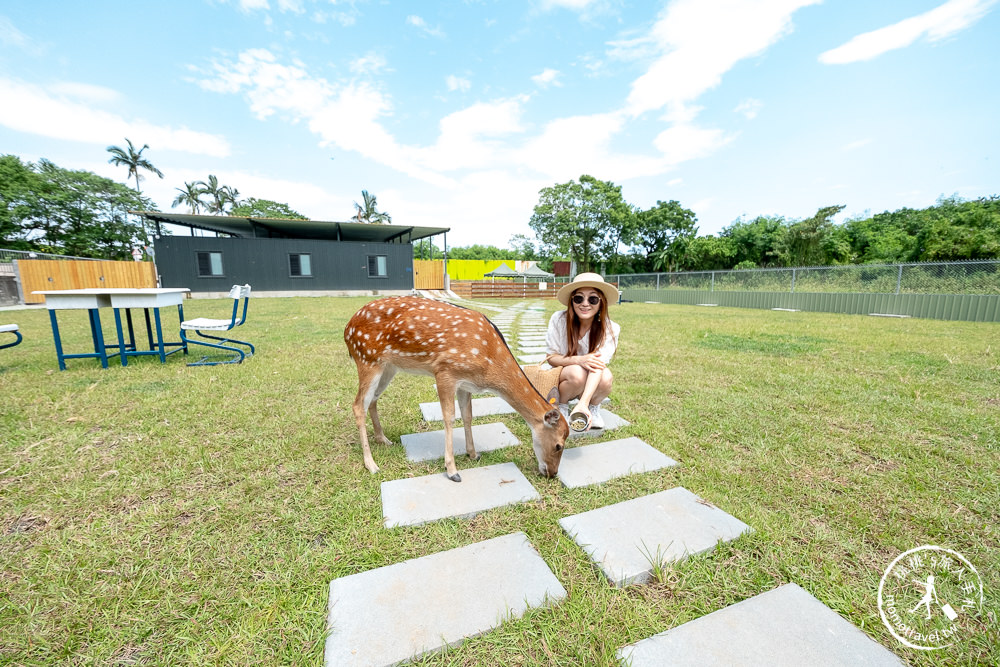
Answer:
x=446 y=394
x=465 y=404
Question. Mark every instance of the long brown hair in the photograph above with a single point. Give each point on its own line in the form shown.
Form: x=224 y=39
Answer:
x=600 y=326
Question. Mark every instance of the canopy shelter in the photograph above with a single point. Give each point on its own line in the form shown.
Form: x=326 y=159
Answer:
x=534 y=272
x=271 y=228
x=503 y=271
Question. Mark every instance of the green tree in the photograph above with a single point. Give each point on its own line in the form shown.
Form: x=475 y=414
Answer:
x=665 y=232
x=368 y=211
x=524 y=248
x=808 y=242
x=580 y=219
x=190 y=196
x=265 y=208
x=710 y=253
x=51 y=209
x=18 y=182
x=756 y=243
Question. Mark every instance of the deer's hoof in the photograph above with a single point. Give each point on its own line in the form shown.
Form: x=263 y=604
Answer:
x=475 y=457
x=455 y=478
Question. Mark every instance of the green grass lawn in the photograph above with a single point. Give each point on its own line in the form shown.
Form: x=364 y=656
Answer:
x=160 y=514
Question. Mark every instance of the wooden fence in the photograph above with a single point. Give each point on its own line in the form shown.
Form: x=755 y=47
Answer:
x=503 y=289
x=47 y=274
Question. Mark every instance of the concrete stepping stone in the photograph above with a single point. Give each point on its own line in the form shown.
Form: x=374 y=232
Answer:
x=594 y=464
x=418 y=500
x=532 y=358
x=785 y=626
x=403 y=611
x=429 y=446
x=611 y=423
x=481 y=407
x=625 y=539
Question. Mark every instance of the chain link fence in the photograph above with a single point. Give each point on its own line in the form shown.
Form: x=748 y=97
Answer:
x=971 y=277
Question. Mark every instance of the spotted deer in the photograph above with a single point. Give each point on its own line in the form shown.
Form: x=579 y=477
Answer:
x=465 y=353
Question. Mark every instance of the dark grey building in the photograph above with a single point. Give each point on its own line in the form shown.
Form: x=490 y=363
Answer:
x=286 y=256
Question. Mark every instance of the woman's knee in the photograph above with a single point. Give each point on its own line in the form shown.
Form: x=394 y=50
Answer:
x=606 y=379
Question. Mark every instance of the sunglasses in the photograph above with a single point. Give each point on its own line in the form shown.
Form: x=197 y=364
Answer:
x=593 y=299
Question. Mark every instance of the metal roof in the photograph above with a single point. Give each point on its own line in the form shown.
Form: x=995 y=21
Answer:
x=295 y=229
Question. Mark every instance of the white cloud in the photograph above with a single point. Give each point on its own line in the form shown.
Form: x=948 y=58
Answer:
x=56 y=114
x=749 y=107
x=548 y=77
x=418 y=22
x=294 y=6
x=699 y=41
x=674 y=181
x=682 y=142
x=343 y=114
x=457 y=83
x=934 y=25
x=574 y=5
x=252 y=5
x=854 y=145
x=370 y=63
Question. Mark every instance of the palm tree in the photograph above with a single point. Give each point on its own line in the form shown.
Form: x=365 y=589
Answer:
x=221 y=195
x=132 y=159
x=369 y=212
x=190 y=195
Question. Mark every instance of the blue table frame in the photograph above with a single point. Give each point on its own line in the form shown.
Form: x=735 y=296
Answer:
x=92 y=300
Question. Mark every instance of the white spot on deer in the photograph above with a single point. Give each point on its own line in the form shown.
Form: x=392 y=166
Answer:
x=367 y=336
x=452 y=351
x=474 y=350
x=389 y=312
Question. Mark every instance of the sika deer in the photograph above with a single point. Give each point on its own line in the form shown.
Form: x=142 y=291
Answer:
x=464 y=352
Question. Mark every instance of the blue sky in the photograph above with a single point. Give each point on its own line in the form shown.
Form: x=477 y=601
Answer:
x=456 y=114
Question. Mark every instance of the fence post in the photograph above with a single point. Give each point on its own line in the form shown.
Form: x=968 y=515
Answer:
x=657 y=282
x=793 y=281
x=712 y=288
x=899 y=278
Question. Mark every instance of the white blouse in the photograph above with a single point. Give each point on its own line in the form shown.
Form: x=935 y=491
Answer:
x=555 y=339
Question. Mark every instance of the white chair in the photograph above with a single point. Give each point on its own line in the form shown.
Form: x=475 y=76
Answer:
x=11 y=328
x=202 y=324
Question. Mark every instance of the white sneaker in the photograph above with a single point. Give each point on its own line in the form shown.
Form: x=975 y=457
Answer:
x=596 y=419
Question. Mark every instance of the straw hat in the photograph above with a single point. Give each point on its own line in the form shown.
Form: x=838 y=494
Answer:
x=587 y=280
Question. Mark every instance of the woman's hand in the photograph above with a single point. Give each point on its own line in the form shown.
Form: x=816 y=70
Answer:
x=592 y=362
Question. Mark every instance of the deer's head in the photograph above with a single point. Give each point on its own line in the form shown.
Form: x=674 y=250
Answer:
x=549 y=438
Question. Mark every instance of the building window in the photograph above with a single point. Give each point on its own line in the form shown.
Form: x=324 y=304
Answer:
x=300 y=265
x=209 y=264
x=377 y=266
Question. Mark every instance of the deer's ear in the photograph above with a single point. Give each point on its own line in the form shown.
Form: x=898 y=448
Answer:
x=552 y=417
x=553 y=397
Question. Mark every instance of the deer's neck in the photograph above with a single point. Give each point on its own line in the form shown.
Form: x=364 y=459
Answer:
x=510 y=382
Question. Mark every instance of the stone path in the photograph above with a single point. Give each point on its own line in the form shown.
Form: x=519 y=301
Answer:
x=418 y=500
x=481 y=407
x=625 y=540
x=429 y=446
x=402 y=611
x=594 y=464
x=785 y=626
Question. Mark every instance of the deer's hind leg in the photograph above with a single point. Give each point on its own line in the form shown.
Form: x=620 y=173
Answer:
x=465 y=405
x=388 y=373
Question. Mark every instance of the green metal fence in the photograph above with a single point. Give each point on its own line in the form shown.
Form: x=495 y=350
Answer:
x=939 y=290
